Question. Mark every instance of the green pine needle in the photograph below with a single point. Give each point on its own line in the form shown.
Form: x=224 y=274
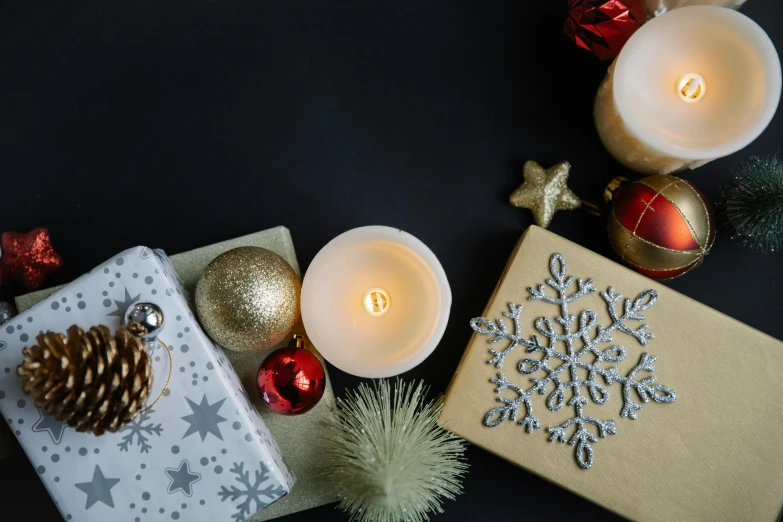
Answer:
x=753 y=204
x=388 y=459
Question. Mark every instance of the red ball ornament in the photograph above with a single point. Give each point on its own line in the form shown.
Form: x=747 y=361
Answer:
x=603 y=26
x=28 y=258
x=661 y=226
x=291 y=380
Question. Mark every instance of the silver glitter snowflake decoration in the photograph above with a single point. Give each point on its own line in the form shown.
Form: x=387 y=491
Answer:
x=251 y=491
x=562 y=369
x=139 y=431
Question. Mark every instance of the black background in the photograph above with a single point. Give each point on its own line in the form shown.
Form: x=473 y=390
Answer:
x=180 y=123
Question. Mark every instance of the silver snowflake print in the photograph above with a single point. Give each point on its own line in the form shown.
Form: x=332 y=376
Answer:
x=250 y=492
x=139 y=431
x=561 y=369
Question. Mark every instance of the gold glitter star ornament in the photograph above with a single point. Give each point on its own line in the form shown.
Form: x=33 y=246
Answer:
x=544 y=192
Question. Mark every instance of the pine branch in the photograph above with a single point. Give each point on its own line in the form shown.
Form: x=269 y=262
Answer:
x=751 y=207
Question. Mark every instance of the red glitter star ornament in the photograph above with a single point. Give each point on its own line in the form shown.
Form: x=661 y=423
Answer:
x=603 y=26
x=27 y=258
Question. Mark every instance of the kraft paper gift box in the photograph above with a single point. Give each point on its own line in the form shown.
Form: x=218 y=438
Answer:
x=201 y=452
x=712 y=453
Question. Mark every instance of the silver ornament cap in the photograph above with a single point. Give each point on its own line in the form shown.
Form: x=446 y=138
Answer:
x=144 y=320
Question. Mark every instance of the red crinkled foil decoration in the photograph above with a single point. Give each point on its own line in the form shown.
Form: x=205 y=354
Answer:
x=602 y=27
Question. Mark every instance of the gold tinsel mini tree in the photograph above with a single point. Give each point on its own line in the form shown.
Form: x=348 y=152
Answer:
x=91 y=380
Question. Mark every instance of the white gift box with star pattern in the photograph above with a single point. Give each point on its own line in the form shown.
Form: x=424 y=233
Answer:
x=201 y=452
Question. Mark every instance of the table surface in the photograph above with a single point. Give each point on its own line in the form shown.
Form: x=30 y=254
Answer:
x=181 y=123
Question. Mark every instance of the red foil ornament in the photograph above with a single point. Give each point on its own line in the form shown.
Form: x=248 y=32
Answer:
x=603 y=26
x=291 y=380
x=28 y=258
x=661 y=226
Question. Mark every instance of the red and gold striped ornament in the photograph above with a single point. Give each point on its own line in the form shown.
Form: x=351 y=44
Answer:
x=661 y=226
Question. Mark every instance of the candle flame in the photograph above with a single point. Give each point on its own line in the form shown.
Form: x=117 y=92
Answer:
x=691 y=87
x=376 y=301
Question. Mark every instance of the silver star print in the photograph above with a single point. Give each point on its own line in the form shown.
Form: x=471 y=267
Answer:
x=98 y=489
x=182 y=479
x=204 y=419
x=122 y=306
x=46 y=423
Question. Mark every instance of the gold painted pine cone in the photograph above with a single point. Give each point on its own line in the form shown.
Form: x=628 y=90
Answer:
x=92 y=381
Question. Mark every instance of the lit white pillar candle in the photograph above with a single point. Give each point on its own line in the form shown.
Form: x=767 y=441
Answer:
x=375 y=301
x=692 y=85
x=658 y=7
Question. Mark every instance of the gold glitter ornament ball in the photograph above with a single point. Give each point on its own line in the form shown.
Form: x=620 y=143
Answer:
x=248 y=299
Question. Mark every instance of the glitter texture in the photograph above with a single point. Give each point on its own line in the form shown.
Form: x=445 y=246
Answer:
x=28 y=258
x=248 y=299
x=544 y=192
x=562 y=369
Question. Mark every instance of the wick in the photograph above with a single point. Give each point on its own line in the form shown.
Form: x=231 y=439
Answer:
x=376 y=301
x=691 y=87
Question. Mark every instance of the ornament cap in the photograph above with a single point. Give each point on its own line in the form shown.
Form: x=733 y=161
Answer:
x=612 y=186
x=298 y=341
